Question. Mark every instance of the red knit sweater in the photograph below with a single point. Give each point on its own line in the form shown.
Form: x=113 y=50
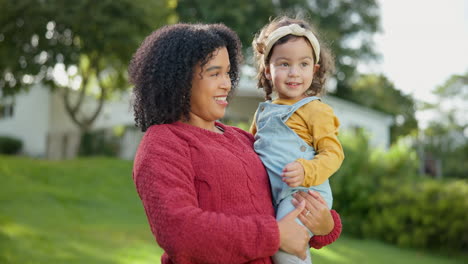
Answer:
x=207 y=196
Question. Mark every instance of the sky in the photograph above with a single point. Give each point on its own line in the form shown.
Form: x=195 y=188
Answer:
x=423 y=43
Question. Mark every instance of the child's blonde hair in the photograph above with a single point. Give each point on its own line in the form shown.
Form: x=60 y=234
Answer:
x=259 y=45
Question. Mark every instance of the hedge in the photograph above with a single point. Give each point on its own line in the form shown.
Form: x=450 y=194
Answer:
x=380 y=195
x=10 y=145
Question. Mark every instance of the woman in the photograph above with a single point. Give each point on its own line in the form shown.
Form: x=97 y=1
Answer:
x=204 y=190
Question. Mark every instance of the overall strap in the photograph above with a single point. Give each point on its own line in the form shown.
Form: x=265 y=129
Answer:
x=298 y=105
x=260 y=109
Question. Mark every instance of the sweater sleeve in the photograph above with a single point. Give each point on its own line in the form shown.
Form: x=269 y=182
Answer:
x=318 y=242
x=323 y=126
x=165 y=182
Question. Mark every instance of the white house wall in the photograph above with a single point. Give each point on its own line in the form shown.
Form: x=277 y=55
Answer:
x=30 y=121
x=64 y=134
x=115 y=112
x=41 y=122
x=352 y=116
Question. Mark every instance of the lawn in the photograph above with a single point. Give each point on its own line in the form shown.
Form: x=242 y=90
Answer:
x=87 y=211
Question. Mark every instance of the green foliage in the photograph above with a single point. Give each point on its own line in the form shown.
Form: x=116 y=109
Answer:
x=449 y=146
x=362 y=174
x=36 y=35
x=338 y=21
x=452 y=97
x=10 y=145
x=92 y=40
x=380 y=195
x=240 y=124
x=446 y=137
x=99 y=143
x=454 y=163
x=377 y=92
x=424 y=213
x=243 y=16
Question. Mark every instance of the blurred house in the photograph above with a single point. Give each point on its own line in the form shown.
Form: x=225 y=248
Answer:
x=39 y=119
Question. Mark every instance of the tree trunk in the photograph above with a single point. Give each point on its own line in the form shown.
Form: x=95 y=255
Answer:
x=83 y=122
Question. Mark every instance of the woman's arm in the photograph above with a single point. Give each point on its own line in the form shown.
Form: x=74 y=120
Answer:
x=324 y=223
x=320 y=241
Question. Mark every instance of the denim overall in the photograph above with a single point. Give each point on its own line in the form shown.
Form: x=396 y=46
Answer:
x=278 y=145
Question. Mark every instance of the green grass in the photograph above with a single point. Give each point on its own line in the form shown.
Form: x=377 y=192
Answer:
x=87 y=211
x=350 y=250
x=80 y=211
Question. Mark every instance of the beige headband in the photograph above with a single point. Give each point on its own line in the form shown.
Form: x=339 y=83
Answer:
x=296 y=30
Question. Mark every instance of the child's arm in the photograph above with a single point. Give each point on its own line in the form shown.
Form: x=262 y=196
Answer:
x=323 y=127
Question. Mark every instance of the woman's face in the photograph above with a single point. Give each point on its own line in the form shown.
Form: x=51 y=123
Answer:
x=210 y=87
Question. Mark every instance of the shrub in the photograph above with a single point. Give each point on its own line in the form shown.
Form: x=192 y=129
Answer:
x=362 y=174
x=425 y=214
x=101 y=142
x=454 y=164
x=380 y=195
x=10 y=145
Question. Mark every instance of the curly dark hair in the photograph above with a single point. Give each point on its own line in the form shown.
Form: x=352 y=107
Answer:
x=162 y=69
x=326 y=62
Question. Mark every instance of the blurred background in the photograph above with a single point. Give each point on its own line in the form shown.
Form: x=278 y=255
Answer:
x=67 y=135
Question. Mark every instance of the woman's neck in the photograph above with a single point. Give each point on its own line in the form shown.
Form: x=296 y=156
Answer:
x=208 y=125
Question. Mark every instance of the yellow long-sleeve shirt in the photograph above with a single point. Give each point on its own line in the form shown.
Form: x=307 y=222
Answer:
x=317 y=125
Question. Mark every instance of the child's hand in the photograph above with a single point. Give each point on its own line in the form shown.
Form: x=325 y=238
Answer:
x=293 y=174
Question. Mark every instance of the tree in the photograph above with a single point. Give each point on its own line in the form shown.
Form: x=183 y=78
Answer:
x=377 y=92
x=245 y=17
x=91 y=42
x=347 y=26
x=451 y=106
x=446 y=136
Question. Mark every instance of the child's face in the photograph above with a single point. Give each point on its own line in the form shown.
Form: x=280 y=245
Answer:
x=291 y=68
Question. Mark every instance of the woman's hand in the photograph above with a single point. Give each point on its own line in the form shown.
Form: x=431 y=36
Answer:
x=316 y=216
x=294 y=238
